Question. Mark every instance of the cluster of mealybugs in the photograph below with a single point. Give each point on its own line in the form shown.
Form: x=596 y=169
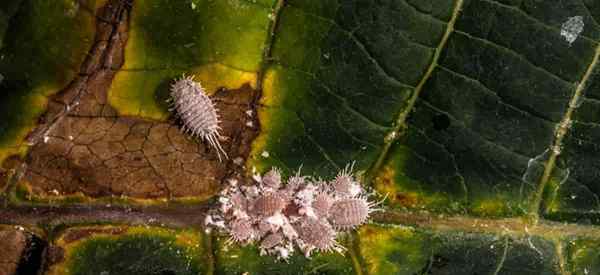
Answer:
x=304 y=212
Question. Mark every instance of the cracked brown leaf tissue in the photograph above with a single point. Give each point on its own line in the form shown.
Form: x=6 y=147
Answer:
x=85 y=147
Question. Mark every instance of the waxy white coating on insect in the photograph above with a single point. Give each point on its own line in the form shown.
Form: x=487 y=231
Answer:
x=321 y=205
x=197 y=112
x=242 y=231
x=268 y=204
x=317 y=235
x=344 y=184
x=305 y=213
x=347 y=214
x=272 y=179
x=271 y=241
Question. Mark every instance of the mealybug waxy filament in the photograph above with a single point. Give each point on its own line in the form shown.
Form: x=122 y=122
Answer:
x=197 y=111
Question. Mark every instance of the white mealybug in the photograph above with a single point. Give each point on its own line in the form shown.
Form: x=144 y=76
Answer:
x=302 y=212
x=317 y=235
x=321 y=205
x=271 y=241
x=197 y=112
x=346 y=214
x=272 y=179
x=344 y=184
x=242 y=231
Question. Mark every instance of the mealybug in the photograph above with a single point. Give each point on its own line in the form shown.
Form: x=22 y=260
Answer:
x=197 y=111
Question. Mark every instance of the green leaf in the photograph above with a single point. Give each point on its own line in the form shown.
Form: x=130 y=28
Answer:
x=502 y=85
x=43 y=45
x=583 y=255
x=220 y=42
x=114 y=250
x=476 y=114
x=408 y=251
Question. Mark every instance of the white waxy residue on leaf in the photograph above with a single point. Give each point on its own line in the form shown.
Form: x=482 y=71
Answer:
x=303 y=213
x=571 y=29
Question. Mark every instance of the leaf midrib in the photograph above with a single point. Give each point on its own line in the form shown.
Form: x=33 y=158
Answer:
x=561 y=130
x=400 y=123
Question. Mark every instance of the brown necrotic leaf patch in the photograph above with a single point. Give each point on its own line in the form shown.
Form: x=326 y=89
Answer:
x=12 y=245
x=83 y=146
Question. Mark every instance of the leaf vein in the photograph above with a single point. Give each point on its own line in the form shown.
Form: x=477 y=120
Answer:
x=403 y=115
x=422 y=12
x=495 y=94
x=513 y=52
x=529 y=16
x=560 y=133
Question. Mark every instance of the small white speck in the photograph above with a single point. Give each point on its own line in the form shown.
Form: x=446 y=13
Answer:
x=278 y=220
x=70 y=137
x=208 y=220
x=391 y=136
x=193 y=6
x=250 y=124
x=46 y=138
x=249 y=113
x=233 y=182
x=20 y=228
x=556 y=149
x=571 y=29
x=265 y=154
x=238 y=161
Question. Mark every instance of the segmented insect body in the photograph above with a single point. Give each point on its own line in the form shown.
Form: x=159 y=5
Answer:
x=349 y=213
x=239 y=202
x=306 y=213
x=265 y=227
x=269 y=204
x=271 y=240
x=317 y=235
x=197 y=112
x=242 y=231
x=272 y=179
x=322 y=204
x=344 y=184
